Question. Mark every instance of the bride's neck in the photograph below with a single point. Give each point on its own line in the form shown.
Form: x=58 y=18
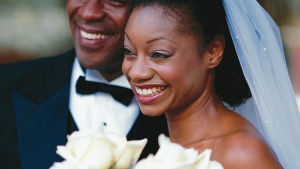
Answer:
x=197 y=123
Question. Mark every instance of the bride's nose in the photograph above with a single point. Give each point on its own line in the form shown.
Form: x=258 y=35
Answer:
x=140 y=70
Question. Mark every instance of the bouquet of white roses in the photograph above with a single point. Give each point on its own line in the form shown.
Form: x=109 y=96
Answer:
x=174 y=156
x=94 y=149
x=97 y=150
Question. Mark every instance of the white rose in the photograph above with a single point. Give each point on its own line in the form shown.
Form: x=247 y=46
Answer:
x=92 y=149
x=150 y=163
x=174 y=156
x=66 y=165
x=204 y=162
x=130 y=154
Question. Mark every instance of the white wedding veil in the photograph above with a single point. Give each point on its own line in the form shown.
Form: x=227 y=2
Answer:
x=258 y=44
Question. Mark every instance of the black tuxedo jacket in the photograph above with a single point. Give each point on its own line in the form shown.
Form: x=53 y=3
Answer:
x=35 y=118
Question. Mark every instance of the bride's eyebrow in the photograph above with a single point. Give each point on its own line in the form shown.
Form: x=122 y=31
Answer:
x=156 y=39
x=127 y=36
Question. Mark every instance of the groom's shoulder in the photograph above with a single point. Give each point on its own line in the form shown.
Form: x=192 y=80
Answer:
x=15 y=71
x=36 y=62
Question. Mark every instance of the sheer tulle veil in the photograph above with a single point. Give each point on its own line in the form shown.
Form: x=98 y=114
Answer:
x=272 y=108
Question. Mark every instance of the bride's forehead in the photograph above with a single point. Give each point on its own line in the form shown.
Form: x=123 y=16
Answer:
x=178 y=17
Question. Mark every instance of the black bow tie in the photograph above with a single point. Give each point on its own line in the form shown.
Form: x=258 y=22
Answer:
x=121 y=94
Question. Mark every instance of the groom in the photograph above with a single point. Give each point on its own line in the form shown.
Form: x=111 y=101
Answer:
x=43 y=100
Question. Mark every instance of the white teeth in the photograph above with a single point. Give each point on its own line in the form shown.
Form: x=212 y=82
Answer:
x=93 y=36
x=154 y=89
x=145 y=91
x=149 y=92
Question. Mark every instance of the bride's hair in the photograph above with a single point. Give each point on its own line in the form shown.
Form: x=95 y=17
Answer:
x=206 y=18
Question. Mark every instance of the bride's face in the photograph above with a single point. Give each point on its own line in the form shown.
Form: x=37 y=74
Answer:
x=165 y=67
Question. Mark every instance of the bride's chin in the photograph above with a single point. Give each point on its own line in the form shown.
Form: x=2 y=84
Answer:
x=151 y=112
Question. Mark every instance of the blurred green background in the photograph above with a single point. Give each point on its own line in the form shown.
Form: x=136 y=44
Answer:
x=38 y=28
x=32 y=28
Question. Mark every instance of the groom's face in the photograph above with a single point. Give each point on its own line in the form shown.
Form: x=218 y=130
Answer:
x=97 y=28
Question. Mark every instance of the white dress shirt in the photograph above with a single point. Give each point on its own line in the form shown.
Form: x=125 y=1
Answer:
x=91 y=111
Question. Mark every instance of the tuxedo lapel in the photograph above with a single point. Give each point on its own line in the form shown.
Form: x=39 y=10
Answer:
x=41 y=111
x=41 y=127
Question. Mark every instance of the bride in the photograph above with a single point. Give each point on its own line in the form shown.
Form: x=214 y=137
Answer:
x=193 y=59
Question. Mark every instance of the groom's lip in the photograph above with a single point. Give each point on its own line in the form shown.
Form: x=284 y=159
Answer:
x=92 y=38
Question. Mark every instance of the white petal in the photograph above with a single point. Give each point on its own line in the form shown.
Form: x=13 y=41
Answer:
x=204 y=159
x=100 y=154
x=131 y=153
x=65 y=165
x=215 y=165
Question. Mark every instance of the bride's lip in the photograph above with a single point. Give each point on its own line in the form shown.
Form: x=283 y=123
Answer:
x=148 y=93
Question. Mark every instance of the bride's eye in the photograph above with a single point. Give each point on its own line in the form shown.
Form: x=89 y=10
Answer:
x=127 y=51
x=160 y=55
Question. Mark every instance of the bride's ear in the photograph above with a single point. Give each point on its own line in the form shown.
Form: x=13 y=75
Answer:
x=216 y=50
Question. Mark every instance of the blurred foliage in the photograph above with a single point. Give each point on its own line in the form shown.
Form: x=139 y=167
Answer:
x=280 y=10
x=32 y=28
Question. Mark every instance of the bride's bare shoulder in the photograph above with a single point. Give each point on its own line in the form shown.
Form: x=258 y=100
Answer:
x=246 y=150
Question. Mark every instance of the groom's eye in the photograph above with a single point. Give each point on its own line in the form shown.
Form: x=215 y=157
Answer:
x=119 y=2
